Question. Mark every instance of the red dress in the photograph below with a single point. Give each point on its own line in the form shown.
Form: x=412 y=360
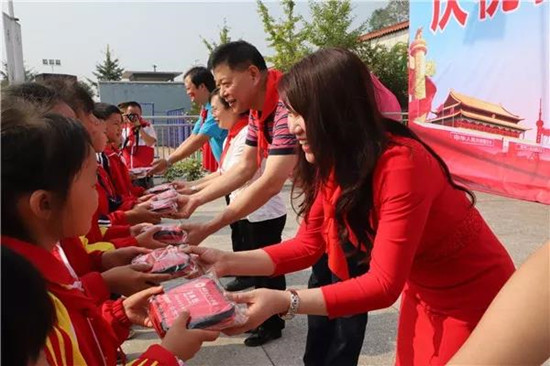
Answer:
x=431 y=247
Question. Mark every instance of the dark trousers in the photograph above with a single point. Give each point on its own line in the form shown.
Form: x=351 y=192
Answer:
x=239 y=242
x=332 y=342
x=259 y=235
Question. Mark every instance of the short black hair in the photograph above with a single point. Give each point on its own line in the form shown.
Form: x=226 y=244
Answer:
x=105 y=110
x=74 y=94
x=52 y=150
x=237 y=55
x=41 y=96
x=131 y=103
x=28 y=314
x=201 y=75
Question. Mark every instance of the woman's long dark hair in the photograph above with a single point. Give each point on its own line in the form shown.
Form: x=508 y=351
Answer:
x=332 y=90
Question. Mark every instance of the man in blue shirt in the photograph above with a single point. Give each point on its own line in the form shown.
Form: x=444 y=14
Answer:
x=199 y=83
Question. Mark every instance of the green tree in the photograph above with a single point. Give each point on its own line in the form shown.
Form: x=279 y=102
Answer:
x=109 y=69
x=284 y=36
x=396 y=11
x=390 y=66
x=29 y=74
x=331 y=25
x=223 y=38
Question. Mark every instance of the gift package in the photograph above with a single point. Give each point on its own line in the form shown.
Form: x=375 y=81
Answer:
x=159 y=189
x=164 y=207
x=171 y=259
x=205 y=301
x=168 y=234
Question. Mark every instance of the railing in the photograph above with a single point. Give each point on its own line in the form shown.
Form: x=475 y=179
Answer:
x=174 y=129
x=171 y=132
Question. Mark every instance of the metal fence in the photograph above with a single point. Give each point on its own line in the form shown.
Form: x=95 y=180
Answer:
x=173 y=129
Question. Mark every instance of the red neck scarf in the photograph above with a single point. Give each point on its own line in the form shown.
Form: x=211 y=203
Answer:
x=233 y=131
x=337 y=262
x=270 y=103
x=61 y=284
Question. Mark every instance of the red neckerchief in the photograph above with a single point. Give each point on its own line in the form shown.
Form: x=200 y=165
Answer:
x=270 y=103
x=337 y=262
x=60 y=283
x=203 y=115
x=233 y=131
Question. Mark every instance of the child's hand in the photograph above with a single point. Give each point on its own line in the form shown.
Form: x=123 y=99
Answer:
x=141 y=213
x=135 y=306
x=137 y=229
x=121 y=256
x=146 y=239
x=183 y=342
x=127 y=280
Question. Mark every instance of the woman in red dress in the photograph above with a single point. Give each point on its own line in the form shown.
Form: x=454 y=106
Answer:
x=373 y=196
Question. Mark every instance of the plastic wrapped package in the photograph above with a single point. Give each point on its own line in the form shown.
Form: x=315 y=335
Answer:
x=168 y=194
x=159 y=189
x=165 y=207
x=139 y=172
x=168 y=234
x=171 y=259
x=203 y=298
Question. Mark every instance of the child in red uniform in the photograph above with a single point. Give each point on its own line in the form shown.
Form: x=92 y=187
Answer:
x=118 y=171
x=102 y=271
x=49 y=201
x=373 y=194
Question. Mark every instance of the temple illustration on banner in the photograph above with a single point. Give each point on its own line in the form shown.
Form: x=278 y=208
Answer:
x=459 y=110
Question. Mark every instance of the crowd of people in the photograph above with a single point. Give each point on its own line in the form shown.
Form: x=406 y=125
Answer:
x=381 y=217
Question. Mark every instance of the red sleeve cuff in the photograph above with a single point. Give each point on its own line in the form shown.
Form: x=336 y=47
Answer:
x=117 y=231
x=95 y=260
x=95 y=287
x=120 y=314
x=118 y=218
x=129 y=241
x=159 y=354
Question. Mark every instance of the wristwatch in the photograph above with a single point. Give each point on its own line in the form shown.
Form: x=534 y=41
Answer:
x=293 y=308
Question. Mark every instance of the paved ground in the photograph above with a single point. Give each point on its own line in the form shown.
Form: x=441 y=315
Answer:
x=521 y=226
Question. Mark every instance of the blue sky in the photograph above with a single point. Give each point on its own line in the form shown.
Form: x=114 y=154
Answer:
x=140 y=33
x=504 y=60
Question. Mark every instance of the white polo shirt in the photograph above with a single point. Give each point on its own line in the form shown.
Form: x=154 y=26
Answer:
x=275 y=207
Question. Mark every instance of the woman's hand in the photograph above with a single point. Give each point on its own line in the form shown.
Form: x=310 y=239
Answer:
x=127 y=280
x=213 y=259
x=183 y=342
x=196 y=233
x=121 y=256
x=262 y=304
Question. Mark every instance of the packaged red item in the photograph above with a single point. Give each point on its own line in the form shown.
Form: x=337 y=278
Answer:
x=164 y=207
x=168 y=234
x=205 y=301
x=171 y=259
x=168 y=194
x=159 y=189
x=139 y=172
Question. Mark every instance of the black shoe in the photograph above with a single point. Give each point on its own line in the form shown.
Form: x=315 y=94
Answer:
x=262 y=337
x=240 y=283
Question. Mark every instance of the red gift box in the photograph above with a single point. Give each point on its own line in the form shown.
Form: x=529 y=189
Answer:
x=203 y=298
